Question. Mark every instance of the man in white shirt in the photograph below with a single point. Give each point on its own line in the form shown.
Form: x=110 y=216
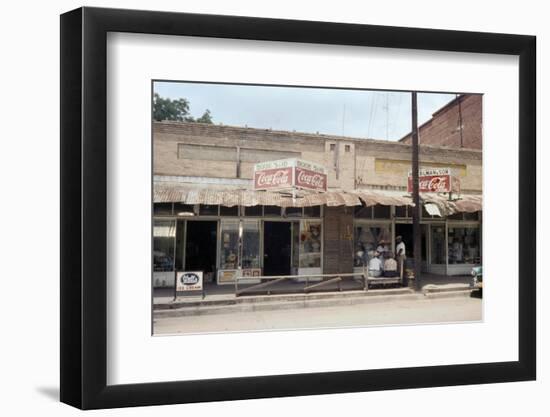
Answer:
x=375 y=266
x=400 y=252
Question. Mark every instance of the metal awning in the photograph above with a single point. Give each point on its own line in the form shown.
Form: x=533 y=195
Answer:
x=468 y=203
x=177 y=192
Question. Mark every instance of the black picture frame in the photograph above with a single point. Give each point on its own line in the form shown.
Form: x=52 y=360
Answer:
x=84 y=207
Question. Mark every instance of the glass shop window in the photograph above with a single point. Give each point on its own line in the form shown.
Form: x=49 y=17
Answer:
x=310 y=244
x=254 y=211
x=381 y=212
x=272 y=211
x=208 y=210
x=229 y=211
x=401 y=211
x=472 y=216
x=438 y=245
x=313 y=211
x=164 y=233
x=162 y=209
x=251 y=244
x=293 y=212
x=464 y=245
x=229 y=251
x=184 y=210
x=362 y=212
x=368 y=239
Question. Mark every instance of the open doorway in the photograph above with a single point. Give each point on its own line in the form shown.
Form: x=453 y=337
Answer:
x=405 y=230
x=200 y=248
x=277 y=248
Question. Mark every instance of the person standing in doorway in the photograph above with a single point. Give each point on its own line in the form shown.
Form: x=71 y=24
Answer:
x=400 y=254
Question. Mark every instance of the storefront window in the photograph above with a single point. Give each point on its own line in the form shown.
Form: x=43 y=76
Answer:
x=313 y=211
x=162 y=209
x=382 y=212
x=471 y=216
x=438 y=244
x=184 y=210
x=208 y=210
x=255 y=211
x=164 y=233
x=272 y=211
x=229 y=251
x=401 y=211
x=229 y=211
x=310 y=244
x=293 y=212
x=464 y=245
x=251 y=244
x=369 y=238
x=362 y=212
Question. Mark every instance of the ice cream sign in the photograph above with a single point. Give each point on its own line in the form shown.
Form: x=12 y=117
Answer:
x=189 y=281
x=435 y=180
x=288 y=173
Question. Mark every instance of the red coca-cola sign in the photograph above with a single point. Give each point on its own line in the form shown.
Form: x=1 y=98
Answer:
x=289 y=173
x=435 y=183
x=310 y=179
x=273 y=178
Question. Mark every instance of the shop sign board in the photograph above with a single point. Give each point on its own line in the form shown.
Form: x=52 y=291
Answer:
x=435 y=180
x=189 y=281
x=251 y=272
x=273 y=178
x=226 y=276
x=289 y=173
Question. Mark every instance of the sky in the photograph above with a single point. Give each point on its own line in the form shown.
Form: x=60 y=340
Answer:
x=356 y=113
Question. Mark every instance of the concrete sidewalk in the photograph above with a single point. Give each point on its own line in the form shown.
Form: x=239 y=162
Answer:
x=221 y=299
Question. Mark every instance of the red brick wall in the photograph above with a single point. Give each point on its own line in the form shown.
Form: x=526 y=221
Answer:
x=443 y=128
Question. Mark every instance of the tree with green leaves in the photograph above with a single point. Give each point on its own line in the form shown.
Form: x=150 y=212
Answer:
x=177 y=110
x=205 y=118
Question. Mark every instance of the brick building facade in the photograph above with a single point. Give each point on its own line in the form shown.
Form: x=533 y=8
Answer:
x=228 y=152
x=458 y=124
x=209 y=217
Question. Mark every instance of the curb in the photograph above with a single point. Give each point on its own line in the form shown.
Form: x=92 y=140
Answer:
x=296 y=302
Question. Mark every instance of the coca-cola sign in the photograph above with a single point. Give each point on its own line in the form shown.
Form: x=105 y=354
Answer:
x=311 y=179
x=273 y=178
x=435 y=181
x=289 y=173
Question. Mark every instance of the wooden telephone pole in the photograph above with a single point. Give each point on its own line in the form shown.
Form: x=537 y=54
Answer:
x=417 y=245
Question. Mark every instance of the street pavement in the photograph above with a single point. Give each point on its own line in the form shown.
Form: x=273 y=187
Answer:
x=418 y=311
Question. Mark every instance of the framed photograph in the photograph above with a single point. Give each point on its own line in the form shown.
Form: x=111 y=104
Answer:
x=257 y=208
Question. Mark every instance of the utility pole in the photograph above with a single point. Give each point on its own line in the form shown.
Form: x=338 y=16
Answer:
x=459 y=98
x=416 y=195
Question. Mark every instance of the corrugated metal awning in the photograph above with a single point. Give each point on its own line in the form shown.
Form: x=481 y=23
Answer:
x=189 y=194
x=468 y=203
x=177 y=192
